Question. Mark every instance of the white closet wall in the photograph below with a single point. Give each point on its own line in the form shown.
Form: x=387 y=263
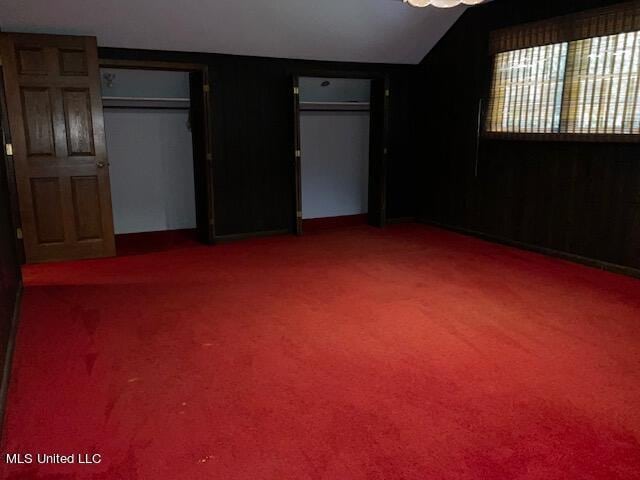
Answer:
x=144 y=83
x=151 y=170
x=335 y=163
x=338 y=90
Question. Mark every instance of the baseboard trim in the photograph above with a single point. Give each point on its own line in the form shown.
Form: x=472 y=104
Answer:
x=590 y=262
x=397 y=220
x=6 y=373
x=242 y=236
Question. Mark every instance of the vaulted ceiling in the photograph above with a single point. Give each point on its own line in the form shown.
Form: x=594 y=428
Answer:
x=386 y=31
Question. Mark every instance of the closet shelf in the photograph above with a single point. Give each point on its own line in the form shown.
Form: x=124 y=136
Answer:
x=146 y=102
x=335 y=106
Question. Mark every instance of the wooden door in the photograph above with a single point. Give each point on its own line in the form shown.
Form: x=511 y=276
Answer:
x=57 y=128
x=378 y=151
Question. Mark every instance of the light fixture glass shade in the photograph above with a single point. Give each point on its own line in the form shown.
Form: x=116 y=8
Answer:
x=441 y=3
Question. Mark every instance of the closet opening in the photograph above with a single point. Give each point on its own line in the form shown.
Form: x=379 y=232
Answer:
x=340 y=138
x=155 y=119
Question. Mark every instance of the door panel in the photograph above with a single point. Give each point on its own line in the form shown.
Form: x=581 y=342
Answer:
x=38 y=121
x=30 y=61
x=77 y=115
x=55 y=115
x=73 y=62
x=47 y=210
x=86 y=207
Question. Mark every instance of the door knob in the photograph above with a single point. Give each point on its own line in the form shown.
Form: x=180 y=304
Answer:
x=100 y=164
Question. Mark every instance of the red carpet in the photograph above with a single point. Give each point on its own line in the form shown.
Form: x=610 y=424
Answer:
x=404 y=353
x=313 y=225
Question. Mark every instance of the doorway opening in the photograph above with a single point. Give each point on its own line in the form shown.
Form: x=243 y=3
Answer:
x=157 y=144
x=334 y=141
x=340 y=148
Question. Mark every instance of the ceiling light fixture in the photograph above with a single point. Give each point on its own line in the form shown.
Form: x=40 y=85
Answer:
x=441 y=3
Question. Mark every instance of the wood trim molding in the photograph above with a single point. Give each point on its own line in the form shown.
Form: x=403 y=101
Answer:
x=589 y=262
x=151 y=65
x=6 y=372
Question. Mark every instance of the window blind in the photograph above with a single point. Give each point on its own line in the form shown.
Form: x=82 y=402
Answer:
x=580 y=85
x=527 y=90
x=601 y=96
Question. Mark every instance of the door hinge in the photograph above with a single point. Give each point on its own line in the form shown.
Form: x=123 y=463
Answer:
x=296 y=91
x=298 y=153
x=209 y=157
x=205 y=88
x=386 y=92
x=299 y=214
x=19 y=233
x=9 y=149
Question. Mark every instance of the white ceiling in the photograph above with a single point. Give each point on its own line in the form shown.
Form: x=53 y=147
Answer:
x=386 y=31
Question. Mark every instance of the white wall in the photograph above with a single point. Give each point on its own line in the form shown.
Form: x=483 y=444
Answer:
x=335 y=163
x=144 y=83
x=152 y=185
x=338 y=90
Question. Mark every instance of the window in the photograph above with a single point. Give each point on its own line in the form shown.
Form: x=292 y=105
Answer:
x=570 y=77
x=527 y=90
x=602 y=91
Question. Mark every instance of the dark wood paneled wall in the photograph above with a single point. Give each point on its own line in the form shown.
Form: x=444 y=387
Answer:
x=9 y=269
x=253 y=143
x=580 y=198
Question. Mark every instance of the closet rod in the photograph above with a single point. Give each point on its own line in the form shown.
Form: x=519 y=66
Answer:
x=149 y=99
x=141 y=107
x=335 y=106
x=332 y=111
x=146 y=102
